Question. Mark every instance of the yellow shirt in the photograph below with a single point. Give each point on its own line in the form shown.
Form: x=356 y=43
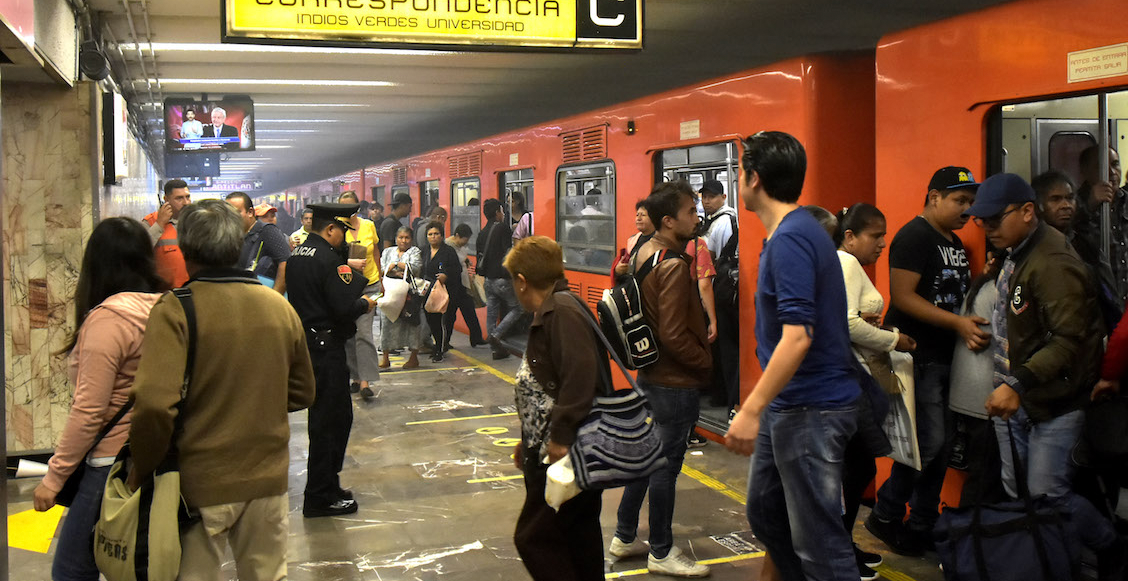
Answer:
x=366 y=236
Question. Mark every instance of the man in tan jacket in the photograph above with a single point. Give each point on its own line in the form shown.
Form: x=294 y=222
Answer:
x=251 y=369
x=673 y=384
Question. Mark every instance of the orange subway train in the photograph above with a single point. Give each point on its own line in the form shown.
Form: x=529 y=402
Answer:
x=1014 y=87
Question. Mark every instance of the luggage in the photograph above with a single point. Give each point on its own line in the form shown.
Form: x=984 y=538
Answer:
x=1029 y=539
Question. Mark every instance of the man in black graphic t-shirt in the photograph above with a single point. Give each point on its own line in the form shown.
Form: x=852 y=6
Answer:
x=929 y=276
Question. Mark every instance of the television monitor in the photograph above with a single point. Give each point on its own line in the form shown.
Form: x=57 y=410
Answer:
x=222 y=125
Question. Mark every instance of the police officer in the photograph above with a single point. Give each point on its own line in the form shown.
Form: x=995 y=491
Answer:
x=328 y=296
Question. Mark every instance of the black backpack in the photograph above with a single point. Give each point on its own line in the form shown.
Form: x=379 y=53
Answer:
x=727 y=282
x=622 y=319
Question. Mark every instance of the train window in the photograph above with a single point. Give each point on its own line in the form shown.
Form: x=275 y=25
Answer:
x=585 y=216
x=466 y=208
x=378 y=196
x=698 y=164
x=428 y=196
x=1048 y=135
x=519 y=181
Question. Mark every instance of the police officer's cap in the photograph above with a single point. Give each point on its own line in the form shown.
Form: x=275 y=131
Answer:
x=338 y=212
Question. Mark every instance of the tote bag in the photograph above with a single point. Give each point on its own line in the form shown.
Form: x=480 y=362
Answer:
x=438 y=300
x=900 y=422
x=395 y=295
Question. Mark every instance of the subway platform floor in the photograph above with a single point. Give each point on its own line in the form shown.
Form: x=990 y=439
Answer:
x=429 y=463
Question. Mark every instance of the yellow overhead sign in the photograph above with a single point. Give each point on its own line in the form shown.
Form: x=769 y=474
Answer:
x=462 y=23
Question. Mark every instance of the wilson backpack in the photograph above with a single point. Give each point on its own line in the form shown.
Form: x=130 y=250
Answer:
x=622 y=320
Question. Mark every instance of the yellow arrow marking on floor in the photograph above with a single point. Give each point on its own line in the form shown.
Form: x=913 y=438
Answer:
x=32 y=531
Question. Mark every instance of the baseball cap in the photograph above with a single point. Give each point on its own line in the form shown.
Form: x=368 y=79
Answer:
x=264 y=209
x=400 y=199
x=712 y=187
x=999 y=191
x=952 y=177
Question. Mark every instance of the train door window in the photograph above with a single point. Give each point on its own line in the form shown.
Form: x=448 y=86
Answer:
x=397 y=190
x=698 y=164
x=378 y=196
x=517 y=181
x=1050 y=135
x=428 y=196
x=466 y=208
x=585 y=216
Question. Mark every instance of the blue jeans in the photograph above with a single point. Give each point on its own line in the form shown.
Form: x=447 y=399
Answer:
x=795 y=492
x=501 y=303
x=74 y=551
x=1045 y=449
x=675 y=410
x=921 y=490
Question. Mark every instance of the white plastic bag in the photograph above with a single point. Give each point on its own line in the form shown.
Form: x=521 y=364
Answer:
x=900 y=423
x=395 y=295
x=560 y=486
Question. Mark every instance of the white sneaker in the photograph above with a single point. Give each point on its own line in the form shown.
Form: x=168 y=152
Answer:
x=676 y=564
x=621 y=550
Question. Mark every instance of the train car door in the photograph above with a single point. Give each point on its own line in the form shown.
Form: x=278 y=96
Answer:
x=517 y=181
x=428 y=196
x=696 y=165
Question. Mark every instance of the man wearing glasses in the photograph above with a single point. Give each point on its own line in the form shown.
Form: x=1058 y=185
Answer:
x=1047 y=354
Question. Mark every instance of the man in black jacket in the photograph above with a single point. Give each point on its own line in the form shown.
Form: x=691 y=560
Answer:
x=1047 y=351
x=328 y=295
x=493 y=243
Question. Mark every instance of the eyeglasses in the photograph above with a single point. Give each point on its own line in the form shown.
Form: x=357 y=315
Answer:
x=993 y=222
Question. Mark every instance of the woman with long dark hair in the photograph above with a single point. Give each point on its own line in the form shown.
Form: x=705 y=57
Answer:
x=441 y=264
x=117 y=286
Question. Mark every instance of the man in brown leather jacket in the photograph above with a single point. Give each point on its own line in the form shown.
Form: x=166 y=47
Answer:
x=673 y=384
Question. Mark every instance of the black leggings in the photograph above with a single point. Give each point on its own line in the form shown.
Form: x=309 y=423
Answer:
x=858 y=471
x=442 y=324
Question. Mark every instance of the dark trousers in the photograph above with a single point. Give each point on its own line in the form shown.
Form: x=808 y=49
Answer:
x=858 y=470
x=465 y=304
x=330 y=421
x=565 y=545
x=726 y=353
x=984 y=483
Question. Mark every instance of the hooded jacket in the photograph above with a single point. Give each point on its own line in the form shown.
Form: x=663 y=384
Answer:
x=101 y=369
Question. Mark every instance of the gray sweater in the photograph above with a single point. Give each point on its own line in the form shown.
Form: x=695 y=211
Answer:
x=973 y=371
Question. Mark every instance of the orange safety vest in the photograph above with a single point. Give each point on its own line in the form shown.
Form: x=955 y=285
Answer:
x=170 y=262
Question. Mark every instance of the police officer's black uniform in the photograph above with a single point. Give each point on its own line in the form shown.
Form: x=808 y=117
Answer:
x=326 y=294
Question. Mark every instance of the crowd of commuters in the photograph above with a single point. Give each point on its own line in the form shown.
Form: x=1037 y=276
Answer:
x=1010 y=348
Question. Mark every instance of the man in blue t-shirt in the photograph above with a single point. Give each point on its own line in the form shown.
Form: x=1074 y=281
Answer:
x=804 y=400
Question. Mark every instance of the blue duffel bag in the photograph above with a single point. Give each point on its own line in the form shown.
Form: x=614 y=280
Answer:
x=1029 y=539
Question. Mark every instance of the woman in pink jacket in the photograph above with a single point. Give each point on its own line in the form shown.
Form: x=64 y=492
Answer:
x=117 y=287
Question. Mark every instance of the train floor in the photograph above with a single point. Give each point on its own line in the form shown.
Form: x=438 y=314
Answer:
x=429 y=463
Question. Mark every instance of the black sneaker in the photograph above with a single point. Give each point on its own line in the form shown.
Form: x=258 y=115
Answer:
x=367 y=393
x=894 y=535
x=354 y=387
x=865 y=573
x=338 y=508
x=866 y=558
x=695 y=440
x=344 y=494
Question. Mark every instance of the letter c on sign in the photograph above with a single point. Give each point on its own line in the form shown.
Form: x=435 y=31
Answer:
x=600 y=21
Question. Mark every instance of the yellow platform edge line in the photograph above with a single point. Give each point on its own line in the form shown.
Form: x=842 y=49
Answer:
x=399 y=371
x=891 y=575
x=495 y=479
x=482 y=364
x=717 y=561
x=714 y=484
x=444 y=420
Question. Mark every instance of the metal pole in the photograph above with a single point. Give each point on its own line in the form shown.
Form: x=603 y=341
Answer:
x=1102 y=144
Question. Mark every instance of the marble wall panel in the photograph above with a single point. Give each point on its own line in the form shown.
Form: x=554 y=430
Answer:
x=48 y=201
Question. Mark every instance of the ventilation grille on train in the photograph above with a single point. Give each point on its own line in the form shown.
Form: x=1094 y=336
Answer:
x=594 y=295
x=585 y=144
x=465 y=166
x=399 y=175
x=574 y=287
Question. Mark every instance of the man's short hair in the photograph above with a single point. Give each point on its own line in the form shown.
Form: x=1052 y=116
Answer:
x=539 y=259
x=248 y=204
x=780 y=161
x=307 y=210
x=463 y=231
x=210 y=234
x=376 y=206
x=174 y=185
x=1088 y=157
x=666 y=199
x=1043 y=183
x=490 y=207
x=348 y=194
